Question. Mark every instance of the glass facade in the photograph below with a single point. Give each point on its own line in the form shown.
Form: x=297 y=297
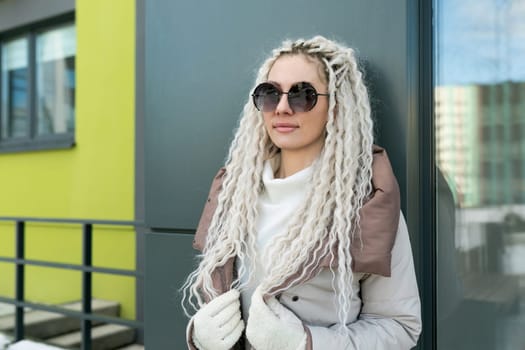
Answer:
x=479 y=99
x=14 y=109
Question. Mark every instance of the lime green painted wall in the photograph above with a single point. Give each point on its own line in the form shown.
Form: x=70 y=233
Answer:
x=95 y=179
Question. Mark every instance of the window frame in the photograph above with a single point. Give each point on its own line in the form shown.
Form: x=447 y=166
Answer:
x=421 y=172
x=34 y=142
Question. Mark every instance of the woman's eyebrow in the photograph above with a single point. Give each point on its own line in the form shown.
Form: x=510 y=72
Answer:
x=274 y=83
x=292 y=84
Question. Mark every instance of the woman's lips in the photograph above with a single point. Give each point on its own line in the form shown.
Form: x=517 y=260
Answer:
x=284 y=127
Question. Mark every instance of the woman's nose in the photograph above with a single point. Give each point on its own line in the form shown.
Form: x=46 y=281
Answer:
x=283 y=107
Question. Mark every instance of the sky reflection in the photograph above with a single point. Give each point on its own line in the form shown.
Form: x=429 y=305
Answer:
x=480 y=41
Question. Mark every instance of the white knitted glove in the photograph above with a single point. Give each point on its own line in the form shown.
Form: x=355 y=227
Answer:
x=272 y=326
x=218 y=325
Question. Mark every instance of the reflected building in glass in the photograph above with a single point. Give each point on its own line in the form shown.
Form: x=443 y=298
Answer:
x=14 y=111
x=479 y=142
x=479 y=111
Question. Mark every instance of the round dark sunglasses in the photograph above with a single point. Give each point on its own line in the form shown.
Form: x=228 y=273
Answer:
x=302 y=97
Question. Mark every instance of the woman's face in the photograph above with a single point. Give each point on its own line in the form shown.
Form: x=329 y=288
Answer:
x=300 y=133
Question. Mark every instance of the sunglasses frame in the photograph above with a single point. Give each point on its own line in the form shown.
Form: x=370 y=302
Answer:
x=281 y=93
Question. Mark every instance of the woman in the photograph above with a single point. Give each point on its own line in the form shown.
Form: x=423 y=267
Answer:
x=303 y=245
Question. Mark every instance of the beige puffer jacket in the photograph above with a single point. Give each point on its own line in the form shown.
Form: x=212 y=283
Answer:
x=385 y=311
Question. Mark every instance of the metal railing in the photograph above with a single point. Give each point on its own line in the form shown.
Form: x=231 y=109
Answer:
x=87 y=268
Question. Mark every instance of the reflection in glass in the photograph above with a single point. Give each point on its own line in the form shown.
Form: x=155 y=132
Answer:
x=14 y=109
x=55 y=80
x=480 y=154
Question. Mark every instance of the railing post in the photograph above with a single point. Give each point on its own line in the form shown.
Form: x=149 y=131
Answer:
x=19 y=276
x=87 y=241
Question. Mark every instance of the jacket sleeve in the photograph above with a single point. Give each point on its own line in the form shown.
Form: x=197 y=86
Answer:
x=390 y=317
x=189 y=335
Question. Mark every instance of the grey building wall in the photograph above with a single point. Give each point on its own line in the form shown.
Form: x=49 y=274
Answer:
x=199 y=62
x=16 y=13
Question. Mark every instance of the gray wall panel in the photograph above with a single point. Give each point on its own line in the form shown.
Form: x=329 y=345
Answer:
x=164 y=321
x=200 y=64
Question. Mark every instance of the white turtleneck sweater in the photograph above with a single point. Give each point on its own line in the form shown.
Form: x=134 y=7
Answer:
x=278 y=202
x=388 y=316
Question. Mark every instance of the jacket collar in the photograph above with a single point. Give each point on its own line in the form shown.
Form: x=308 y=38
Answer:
x=379 y=219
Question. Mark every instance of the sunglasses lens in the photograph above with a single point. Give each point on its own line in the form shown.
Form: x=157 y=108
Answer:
x=302 y=97
x=266 y=97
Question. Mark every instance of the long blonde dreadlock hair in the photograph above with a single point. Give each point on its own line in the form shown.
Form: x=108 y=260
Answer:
x=340 y=184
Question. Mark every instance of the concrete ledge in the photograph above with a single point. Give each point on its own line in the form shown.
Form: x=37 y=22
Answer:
x=44 y=324
x=109 y=336
x=132 y=347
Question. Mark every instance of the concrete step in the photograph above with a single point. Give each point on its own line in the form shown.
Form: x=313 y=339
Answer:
x=6 y=309
x=105 y=337
x=132 y=347
x=43 y=324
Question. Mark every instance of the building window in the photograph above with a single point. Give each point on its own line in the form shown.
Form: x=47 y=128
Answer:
x=37 y=88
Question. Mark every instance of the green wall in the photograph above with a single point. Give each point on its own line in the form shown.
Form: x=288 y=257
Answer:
x=93 y=180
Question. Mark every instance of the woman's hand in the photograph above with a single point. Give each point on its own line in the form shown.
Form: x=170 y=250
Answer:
x=272 y=326
x=218 y=325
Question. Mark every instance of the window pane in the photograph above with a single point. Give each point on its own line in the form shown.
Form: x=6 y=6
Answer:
x=14 y=109
x=480 y=155
x=55 y=80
